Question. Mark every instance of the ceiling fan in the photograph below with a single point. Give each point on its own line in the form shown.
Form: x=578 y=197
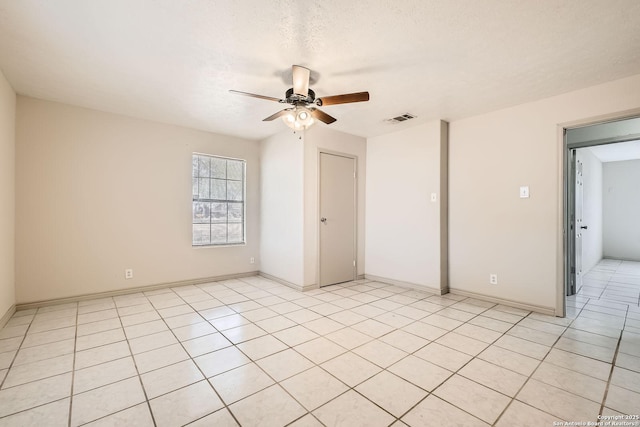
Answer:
x=302 y=101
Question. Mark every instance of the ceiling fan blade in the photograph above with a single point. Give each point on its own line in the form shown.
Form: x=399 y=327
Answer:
x=253 y=95
x=322 y=116
x=343 y=99
x=276 y=115
x=300 y=80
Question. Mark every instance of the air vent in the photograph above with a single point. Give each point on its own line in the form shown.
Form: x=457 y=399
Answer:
x=402 y=118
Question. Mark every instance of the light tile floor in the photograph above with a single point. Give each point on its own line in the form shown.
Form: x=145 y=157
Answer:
x=253 y=352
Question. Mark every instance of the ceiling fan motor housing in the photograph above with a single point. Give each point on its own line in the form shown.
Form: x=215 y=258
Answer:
x=294 y=98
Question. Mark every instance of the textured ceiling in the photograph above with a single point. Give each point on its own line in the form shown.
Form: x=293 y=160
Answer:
x=617 y=152
x=174 y=61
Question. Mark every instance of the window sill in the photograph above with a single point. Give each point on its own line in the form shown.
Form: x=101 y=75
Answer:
x=228 y=245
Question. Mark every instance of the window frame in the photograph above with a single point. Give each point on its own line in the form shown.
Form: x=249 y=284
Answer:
x=226 y=200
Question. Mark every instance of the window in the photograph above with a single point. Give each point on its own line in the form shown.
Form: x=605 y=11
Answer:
x=218 y=200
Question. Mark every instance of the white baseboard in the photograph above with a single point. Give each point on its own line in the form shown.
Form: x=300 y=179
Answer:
x=4 y=319
x=402 y=284
x=24 y=306
x=287 y=283
x=617 y=258
x=529 y=307
x=84 y=297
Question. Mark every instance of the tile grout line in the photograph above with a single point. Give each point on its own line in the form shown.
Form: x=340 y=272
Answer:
x=116 y=381
x=73 y=366
x=613 y=366
x=456 y=372
x=431 y=393
x=204 y=376
x=530 y=377
x=225 y=406
x=15 y=356
x=389 y=332
x=13 y=360
x=279 y=383
x=135 y=364
x=474 y=357
x=513 y=398
x=386 y=310
x=349 y=388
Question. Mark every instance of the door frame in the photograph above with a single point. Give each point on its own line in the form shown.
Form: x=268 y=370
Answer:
x=572 y=158
x=566 y=194
x=355 y=210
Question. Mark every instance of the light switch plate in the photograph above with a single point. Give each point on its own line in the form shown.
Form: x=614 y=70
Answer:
x=434 y=197
x=524 y=192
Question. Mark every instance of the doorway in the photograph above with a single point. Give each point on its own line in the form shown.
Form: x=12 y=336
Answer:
x=587 y=148
x=337 y=215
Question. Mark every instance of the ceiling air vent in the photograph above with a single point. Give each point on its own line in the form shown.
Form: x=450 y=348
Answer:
x=402 y=118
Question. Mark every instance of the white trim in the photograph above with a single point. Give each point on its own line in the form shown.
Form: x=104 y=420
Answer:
x=530 y=307
x=216 y=155
x=244 y=203
x=4 y=319
x=400 y=283
x=84 y=297
x=550 y=311
x=225 y=245
x=287 y=283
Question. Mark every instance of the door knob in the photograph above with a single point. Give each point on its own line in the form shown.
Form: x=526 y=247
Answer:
x=584 y=227
x=323 y=220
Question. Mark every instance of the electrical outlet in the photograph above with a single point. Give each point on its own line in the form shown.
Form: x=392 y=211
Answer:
x=128 y=273
x=252 y=260
x=493 y=279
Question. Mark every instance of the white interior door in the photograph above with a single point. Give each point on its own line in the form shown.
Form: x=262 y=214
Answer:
x=579 y=224
x=337 y=219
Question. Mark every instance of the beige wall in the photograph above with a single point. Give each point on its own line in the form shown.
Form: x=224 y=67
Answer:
x=282 y=207
x=320 y=137
x=403 y=224
x=98 y=193
x=7 y=195
x=492 y=230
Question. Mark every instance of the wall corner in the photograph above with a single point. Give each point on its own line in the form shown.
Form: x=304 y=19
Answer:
x=444 y=206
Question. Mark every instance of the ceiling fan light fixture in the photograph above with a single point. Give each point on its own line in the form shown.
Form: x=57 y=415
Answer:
x=289 y=118
x=298 y=118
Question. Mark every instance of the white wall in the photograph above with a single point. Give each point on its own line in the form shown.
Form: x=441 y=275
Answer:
x=592 y=237
x=622 y=210
x=402 y=224
x=492 y=230
x=321 y=137
x=97 y=193
x=289 y=201
x=282 y=207
x=7 y=195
